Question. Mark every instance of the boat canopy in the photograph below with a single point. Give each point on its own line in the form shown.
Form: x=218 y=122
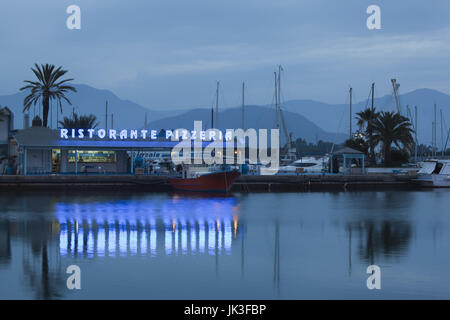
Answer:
x=428 y=167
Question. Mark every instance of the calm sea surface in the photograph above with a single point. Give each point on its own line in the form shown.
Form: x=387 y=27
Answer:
x=243 y=246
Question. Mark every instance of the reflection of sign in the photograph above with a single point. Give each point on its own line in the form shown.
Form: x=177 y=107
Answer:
x=148 y=227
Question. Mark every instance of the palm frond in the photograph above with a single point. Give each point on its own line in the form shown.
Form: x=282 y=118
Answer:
x=49 y=86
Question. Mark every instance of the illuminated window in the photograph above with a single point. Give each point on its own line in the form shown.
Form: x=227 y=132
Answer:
x=92 y=156
x=56 y=160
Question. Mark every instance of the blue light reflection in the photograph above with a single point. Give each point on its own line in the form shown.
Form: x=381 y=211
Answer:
x=178 y=226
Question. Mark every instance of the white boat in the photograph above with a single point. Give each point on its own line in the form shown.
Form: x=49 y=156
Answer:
x=305 y=165
x=435 y=173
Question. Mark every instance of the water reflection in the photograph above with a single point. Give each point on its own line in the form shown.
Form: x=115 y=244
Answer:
x=306 y=245
x=381 y=226
x=384 y=239
x=40 y=258
x=79 y=228
x=5 y=244
x=143 y=228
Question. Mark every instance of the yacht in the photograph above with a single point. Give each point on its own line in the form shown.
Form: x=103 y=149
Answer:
x=305 y=165
x=435 y=173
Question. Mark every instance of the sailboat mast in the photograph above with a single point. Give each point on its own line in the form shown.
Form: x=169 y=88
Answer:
x=217 y=105
x=434 y=132
x=243 y=104
x=351 y=97
x=276 y=102
x=373 y=96
x=106 y=115
x=415 y=130
x=442 y=135
x=279 y=87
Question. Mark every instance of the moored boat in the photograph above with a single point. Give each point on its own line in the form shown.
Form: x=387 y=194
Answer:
x=305 y=165
x=435 y=173
x=220 y=181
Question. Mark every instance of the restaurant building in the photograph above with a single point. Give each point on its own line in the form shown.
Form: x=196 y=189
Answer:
x=41 y=150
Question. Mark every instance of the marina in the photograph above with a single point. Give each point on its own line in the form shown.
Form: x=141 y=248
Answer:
x=212 y=160
x=144 y=159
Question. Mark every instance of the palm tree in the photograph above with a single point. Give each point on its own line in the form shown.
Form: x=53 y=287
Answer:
x=393 y=128
x=48 y=87
x=357 y=144
x=79 y=122
x=365 y=122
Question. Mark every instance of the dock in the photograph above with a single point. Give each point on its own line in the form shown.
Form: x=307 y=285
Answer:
x=252 y=183
x=297 y=183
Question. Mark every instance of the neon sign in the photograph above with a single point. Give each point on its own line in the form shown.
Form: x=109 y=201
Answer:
x=125 y=134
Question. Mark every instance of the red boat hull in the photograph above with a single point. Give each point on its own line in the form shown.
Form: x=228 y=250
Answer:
x=210 y=182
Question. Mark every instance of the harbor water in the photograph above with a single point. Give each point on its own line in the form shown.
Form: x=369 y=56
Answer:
x=240 y=246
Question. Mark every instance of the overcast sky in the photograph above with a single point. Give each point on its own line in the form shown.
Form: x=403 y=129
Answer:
x=169 y=53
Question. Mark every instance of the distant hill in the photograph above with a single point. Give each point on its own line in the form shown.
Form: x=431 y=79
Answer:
x=308 y=119
x=87 y=100
x=256 y=117
x=335 y=117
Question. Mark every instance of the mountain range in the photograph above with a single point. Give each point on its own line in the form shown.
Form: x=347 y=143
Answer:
x=256 y=117
x=308 y=119
x=89 y=100
x=335 y=117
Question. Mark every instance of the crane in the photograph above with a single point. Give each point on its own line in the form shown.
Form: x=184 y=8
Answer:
x=395 y=86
